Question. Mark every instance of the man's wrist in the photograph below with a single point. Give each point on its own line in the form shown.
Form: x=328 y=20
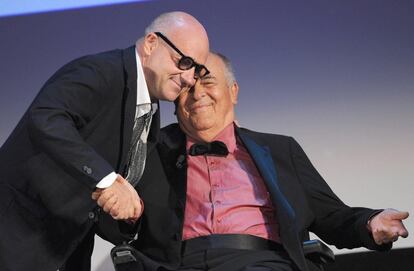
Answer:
x=372 y=217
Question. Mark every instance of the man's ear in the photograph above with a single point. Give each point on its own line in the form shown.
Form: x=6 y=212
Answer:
x=234 y=92
x=150 y=43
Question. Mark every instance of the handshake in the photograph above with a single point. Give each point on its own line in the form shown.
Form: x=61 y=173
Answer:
x=120 y=200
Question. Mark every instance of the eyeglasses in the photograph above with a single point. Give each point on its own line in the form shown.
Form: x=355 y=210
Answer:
x=186 y=62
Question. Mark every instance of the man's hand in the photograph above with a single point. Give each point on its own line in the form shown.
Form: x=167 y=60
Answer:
x=120 y=200
x=387 y=226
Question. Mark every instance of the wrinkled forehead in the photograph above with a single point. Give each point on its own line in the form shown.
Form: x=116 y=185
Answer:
x=215 y=65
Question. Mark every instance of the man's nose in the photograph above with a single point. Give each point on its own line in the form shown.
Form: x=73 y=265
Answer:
x=187 y=77
x=198 y=91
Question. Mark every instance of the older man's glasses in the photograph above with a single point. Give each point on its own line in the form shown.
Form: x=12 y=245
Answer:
x=186 y=62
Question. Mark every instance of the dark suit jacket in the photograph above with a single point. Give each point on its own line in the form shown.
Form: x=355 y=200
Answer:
x=303 y=200
x=76 y=131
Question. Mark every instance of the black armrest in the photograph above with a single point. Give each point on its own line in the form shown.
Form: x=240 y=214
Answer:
x=318 y=252
x=124 y=258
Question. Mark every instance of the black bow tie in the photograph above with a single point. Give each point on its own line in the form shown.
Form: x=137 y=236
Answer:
x=216 y=148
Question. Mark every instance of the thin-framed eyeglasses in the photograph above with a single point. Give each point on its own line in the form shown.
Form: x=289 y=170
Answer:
x=186 y=62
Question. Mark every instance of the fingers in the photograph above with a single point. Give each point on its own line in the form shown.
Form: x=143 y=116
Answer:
x=110 y=204
x=105 y=196
x=137 y=210
x=121 y=180
x=96 y=193
x=123 y=214
x=394 y=214
x=398 y=228
x=387 y=234
x=402 y=231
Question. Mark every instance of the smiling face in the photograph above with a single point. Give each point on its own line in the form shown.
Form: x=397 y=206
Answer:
x=164 y=79
x=207 y=108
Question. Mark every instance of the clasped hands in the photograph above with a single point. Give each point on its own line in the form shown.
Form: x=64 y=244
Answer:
x=387 y=226
x=120 y=200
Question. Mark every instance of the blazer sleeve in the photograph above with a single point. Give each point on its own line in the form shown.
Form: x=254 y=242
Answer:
x=334 y=222
x=59 y=116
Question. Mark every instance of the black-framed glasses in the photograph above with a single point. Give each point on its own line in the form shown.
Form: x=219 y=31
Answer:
x=186 y=62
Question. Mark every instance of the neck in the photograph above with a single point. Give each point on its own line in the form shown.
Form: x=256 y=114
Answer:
x=207 y=135
x=204 y=136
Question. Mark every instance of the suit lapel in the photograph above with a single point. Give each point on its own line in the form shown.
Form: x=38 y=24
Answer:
x=129 y=102
x=172 y=152
x=154 y=131
x=264 y=162
x=286 y=215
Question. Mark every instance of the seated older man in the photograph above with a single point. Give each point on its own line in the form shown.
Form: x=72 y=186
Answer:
x=228 y=198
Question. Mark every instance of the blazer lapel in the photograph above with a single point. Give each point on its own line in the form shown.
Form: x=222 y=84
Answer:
x=286 y=215
x=129 y=105
x=265 y=165
x=154 y=131
x=171 y=149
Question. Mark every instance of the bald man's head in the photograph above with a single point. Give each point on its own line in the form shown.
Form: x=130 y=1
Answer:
x=173 y=21
x=165 y=79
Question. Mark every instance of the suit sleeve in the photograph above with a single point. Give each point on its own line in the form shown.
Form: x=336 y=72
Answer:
x=335 y=222
x=59 y=115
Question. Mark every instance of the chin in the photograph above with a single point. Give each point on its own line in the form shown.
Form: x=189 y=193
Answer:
x=203 y=124
x=169 y=95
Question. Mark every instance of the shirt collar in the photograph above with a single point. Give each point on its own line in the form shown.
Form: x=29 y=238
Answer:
x=226 y=135
x=143 y=97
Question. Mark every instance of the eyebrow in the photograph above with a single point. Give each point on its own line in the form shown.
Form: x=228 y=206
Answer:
x=208 y=76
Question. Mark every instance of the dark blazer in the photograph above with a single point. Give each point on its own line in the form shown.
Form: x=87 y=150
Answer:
x=76 y=131
x=302 y=199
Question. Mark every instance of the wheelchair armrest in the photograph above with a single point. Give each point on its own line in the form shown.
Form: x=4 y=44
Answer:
x=125 y=258
x=318 y=252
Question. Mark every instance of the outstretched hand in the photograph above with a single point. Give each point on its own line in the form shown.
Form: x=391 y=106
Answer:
x=120 y=200
x=387 y=226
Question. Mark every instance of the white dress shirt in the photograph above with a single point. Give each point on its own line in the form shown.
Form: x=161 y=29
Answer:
x=143 y=107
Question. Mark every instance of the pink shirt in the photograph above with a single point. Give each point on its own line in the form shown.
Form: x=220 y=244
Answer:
x=227 y=194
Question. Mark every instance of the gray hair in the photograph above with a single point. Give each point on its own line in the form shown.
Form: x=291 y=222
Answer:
x=228 y=68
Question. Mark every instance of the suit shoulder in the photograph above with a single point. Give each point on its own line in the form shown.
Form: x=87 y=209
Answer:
x=171 y=134
x=266 y=136
x=105 y=66
x=276 y=142
x=102 y=60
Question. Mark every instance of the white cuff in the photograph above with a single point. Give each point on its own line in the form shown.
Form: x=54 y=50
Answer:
x=107 y=181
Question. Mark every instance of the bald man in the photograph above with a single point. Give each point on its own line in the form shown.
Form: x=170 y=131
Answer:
x=228 y=198
x=74 y=157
